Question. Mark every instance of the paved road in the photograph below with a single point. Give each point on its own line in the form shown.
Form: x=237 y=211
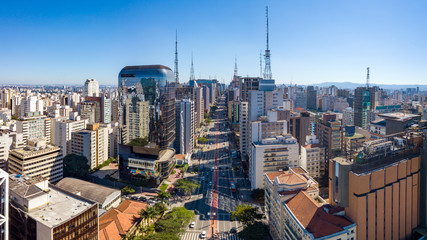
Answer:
x=214 y=199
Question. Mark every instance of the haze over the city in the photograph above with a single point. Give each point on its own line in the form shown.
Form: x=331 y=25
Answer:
x=311 y=42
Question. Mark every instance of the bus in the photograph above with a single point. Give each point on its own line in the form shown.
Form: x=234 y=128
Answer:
x=233 y=187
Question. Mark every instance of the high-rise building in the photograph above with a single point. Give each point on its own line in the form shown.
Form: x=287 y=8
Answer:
x=348 y=117
x=6 y=95
x=380 y=189
x=39 y=210
x=38 y=158
x=184 y=140
x=91 y=143
x=364 y=100
x=311 y=98
x=137 y=119
x=329 y=132
x=34 y=127
x=91 y=88
x=312 y=157
x=244 y=129
x=299 y=126
x=272 y=155
x=9 y=140
x=31 y=106
x=150 y=83
x=64 y=130
x=248 y=84
x=106 y=110
x=90 y=111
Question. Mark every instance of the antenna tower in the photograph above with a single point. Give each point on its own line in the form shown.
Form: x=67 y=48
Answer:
x=367 y=77
x=235 y=67
x=176 y=58
x=192 y=69
x=267 y=70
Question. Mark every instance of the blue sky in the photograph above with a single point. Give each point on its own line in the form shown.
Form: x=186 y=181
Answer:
x=66 y=42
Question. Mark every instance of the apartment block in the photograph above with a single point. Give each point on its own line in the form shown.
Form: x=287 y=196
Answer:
x=34 y=127
x=136 y=119
x=312 y=157
x=37 y=159
x=244 y=129
x=91 y=143
x=185 y=129
x=64 y=130
x=329 y=133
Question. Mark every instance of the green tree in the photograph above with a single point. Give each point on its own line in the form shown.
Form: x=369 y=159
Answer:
x=148 y=214
x=186 y=186
x=128 y=190
x=139 y=142
x=76 y=166
x=163 y=236
x=256 y=231
x=246 y=214
x=163 y=196
x=181 y=215
x=160 y=208
x=202 y=139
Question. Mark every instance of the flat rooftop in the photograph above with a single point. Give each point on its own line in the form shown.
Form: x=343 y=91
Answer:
x=27 y=152
x=399 y=116
x=60 y=208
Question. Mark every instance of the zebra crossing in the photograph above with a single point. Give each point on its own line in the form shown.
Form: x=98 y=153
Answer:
x=221 y=236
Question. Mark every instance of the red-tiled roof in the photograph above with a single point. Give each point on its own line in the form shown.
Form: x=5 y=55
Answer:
x=299 y=170
x=119 y=220
x=179 y=156
x=291 y=178
x=314 y=218
x=273 y=175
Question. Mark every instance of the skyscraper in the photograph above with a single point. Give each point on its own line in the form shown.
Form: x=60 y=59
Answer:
x=311 y=98
x=364 y=101
x=91 y=88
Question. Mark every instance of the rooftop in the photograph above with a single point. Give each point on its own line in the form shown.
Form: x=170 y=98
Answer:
x=399 y=116
x=291 y=178
x=146 y=67
x=29 y=152
x=313 y=216
x=119 y=220
x=92 y=191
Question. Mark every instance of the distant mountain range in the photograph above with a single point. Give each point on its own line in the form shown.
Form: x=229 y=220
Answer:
x=351 y=85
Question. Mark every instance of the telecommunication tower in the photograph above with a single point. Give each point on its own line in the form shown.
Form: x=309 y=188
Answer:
x=267 y=70
x=176 y=58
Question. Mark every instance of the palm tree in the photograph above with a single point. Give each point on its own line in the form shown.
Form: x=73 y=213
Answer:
x=148 y=214
x=163 y=196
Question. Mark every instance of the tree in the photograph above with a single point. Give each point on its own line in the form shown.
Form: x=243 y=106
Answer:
x=148 y=214
x=76 y=166
x=246 y=214
x=202 y=139
x=186 y=186
x=139 y=142
x=181 y=215
x=163 y=236
x=258 y=194
x=160 y=208
x=128 y=190
x=163 y=196
x=256 y=231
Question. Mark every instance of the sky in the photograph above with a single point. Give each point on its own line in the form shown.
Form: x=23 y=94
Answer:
x=311 y=41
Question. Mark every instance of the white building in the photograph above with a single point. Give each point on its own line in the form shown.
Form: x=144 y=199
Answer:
x=348 y=117
x=312 y=157
x=31 y=106
x=137 y=119
x=185 y=116
x=271 y=155
x=63 y=131
x=4 y=205
x=244 y=130
x=34 y=127
x=91 y=88
x=9 y=140
x=91 y=143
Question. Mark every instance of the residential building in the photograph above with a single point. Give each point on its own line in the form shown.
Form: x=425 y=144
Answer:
x=329 y=132
x=244 y=129
x=312 y=157
x=294 y=209
x=91 y=88
x=137 y=163
x=185 y=129
x=271 y=155
x=299 y=126
x=137 y=119
x=248 y=84
x=37 y=159
x=106 y=110
x=31 y=106
x=92 y=143
x=348 y=117
x=39 y=210
x=64 y=130
x=106 y=197
x=90 y=111
x=311 y=98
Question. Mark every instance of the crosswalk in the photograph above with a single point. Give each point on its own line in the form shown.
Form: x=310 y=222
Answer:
x=221 y=236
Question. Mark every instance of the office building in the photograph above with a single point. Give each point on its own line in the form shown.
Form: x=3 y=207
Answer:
x=63 y=132
x=294 y=209
x=91 y=88
x=92 y=143
x=272 y=155
x=248 y=84
x=41 y=211
x=380 y=189
x=139 y=163
x=311 y=98
x=34 y=127
x=364 y=101
x=150 y=83
x=185 y=129
x=38 y=158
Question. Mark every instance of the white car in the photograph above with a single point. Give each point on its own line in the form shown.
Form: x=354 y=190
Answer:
x=203 y=235
x=192 y=224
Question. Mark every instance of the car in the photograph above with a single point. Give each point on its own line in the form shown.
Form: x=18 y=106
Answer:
x=192 y=224
x=203 y=235
x=233 y=230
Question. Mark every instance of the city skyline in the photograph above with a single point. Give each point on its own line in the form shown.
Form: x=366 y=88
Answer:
x=330 y=41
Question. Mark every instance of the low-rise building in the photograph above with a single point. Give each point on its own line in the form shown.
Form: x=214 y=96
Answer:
x=39 y=210
x=106 y=197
